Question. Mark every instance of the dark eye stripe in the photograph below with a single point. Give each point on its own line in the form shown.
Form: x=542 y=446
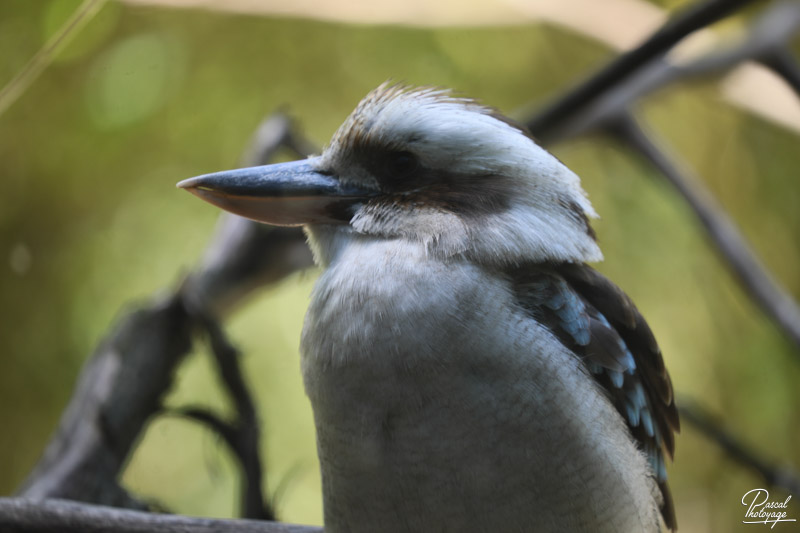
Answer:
x=400 y=173
x=401 y=164
x=395 y=170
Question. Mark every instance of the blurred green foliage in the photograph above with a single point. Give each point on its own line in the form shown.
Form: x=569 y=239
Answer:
x=90 y=221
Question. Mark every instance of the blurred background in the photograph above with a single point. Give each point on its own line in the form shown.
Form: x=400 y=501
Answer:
x=151 y=92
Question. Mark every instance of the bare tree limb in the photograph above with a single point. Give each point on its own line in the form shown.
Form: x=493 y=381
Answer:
x=548 y=122
x=603 y=102
x=784 y=65
x=245 y=431
x=774 y=300
x=18 y=515
x=783 y=478
x=609 y=111
x=123 y=382
x=211 y=420
x=122 y=385
x=245 y=255
x=767 y=36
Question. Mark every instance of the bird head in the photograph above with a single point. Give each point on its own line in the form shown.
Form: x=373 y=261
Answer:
x=422 y=165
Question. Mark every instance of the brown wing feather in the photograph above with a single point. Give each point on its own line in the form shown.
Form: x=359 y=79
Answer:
x=600 y=323
x=621 y=312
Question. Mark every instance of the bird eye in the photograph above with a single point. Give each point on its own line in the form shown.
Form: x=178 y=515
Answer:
x=401 y=164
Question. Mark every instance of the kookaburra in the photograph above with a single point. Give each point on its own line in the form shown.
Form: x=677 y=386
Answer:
x=467 y=370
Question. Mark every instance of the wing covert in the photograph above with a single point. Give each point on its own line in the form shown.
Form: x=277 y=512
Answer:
x=596 y=320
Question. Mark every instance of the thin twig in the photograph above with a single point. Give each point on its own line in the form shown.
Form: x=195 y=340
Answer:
x=211 y=420
x=245 y=439
x=242 y=438
x=25 y=77
x=773 y=299
x=784 y=478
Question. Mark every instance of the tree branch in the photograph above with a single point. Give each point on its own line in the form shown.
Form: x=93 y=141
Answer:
x=18 y=515
x=767 y=37
x=774 y=300
x=120 y=387
x=553 y=118
x=113 y=402
x=244 y=432
x=124 y=381
x=783 y=63
x=783 y=478
x=609 y=110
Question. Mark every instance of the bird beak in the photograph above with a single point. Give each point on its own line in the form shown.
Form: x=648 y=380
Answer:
x=285 y=194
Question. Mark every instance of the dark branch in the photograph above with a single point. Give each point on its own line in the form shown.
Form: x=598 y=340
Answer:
x=123 y=383
x=561 y=112
x=119 y=388
x=245 y=255
x=783 y=478
x=18 y=515
x=111 y=407
x=767 y=38
x=606 y=106
x=275 y=132
x=244 y=436
x=774 y=300
x=211 y=420
x=783 y=63
x=242 y=439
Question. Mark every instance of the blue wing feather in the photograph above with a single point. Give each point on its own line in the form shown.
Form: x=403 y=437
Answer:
x=597 y=321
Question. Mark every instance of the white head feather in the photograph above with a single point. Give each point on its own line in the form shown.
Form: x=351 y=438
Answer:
x=482 y=188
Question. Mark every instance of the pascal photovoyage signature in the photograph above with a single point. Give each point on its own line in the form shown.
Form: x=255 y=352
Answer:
x=760 y=510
